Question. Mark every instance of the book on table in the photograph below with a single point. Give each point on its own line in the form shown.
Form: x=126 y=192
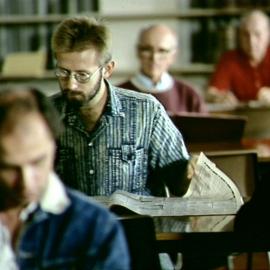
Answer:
x=211 y=192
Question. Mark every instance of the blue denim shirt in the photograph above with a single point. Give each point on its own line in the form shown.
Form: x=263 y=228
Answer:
x=84 y=236
x=135 y=147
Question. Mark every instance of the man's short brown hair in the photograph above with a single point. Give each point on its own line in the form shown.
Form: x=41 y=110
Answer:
x=82 y=33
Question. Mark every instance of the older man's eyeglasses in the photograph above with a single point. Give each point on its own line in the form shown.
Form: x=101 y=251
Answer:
x=148 y=51
x=80 y=76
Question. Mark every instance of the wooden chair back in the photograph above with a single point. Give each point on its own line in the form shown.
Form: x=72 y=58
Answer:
x=204 y=128
x=241 y=166
x=141 y=238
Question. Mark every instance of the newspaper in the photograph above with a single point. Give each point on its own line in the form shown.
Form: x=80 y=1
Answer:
x=210 y=182
x=211 y=192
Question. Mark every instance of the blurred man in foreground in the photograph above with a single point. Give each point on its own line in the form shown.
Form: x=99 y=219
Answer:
x=44 y=225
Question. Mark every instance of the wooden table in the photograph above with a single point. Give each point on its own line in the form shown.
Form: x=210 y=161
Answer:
x=257 y=113
x=260 y=146
x=218 y=250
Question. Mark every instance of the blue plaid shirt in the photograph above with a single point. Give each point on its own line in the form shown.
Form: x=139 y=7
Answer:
x=135 y=147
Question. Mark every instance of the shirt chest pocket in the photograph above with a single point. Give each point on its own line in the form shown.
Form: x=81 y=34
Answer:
x=128 y=168
x=127 y=153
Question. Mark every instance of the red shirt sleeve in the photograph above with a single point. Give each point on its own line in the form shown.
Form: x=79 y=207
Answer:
x=221 y=76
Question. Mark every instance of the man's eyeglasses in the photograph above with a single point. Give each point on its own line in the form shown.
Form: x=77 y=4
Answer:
x=147 y=51
x=80 y=76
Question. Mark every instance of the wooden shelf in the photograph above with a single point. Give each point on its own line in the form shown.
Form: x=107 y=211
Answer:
x=203 y=69
x=49 y=74
x=40 y=27
x=194 y=69
x=182 y=14
x=31 y=19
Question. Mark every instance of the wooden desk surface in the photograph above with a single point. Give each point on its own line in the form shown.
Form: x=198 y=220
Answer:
x=196 y=241
x=199 y=249
x=255 y=136
x=257 y=113
x=260 y=146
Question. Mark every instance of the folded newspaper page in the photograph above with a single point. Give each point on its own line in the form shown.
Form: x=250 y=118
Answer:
x=210 y=182
x=211 y=192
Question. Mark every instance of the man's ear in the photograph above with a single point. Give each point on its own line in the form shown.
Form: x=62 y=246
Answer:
x=174 y=55
x=138 y=51
x=108 y=69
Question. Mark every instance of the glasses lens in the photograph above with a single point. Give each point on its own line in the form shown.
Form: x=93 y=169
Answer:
x=149 y=51
x=61 y=73
x=82 y=77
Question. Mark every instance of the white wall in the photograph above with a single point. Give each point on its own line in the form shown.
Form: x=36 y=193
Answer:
x=125 y=32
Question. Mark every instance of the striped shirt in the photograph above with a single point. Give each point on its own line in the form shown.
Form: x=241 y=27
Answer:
x=135 y=147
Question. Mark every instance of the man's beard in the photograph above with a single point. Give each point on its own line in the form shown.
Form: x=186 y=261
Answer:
x=78 y=103
x=11 y=197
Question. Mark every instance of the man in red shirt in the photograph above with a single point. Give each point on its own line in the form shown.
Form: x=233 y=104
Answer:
x=243 y=74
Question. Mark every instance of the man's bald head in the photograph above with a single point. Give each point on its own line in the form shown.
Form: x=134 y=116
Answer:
x=254 y=35
x=160 y=30
x=156 y=50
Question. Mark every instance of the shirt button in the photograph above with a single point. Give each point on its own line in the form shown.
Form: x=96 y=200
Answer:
x=91 y=171
x=90 y=144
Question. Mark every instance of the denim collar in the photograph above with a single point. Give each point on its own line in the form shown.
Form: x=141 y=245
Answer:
x=54 y=199
x=114 y=105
